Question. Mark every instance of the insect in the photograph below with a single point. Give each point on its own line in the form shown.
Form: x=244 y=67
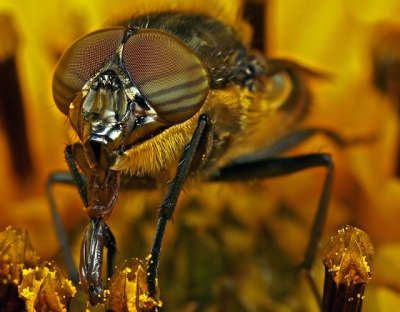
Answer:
x=169 y=95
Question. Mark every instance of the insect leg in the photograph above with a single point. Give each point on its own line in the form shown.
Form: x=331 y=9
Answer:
x=64 y=178
x=72 y=177
x=281 y=166
x=168 y=205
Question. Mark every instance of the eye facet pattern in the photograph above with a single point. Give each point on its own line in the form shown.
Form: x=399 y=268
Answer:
x=171 y=77
x=81 y=61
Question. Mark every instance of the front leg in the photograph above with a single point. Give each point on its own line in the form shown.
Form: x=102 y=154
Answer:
x=168 y=205
x=72 y=177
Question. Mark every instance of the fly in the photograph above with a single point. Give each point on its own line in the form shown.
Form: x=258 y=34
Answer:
x=165 y=96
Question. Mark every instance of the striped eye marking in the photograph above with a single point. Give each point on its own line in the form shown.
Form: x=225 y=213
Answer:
x=171 y=77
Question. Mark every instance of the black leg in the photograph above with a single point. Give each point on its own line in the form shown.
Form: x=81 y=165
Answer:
x=281 y=166
x=64 y=178
x=168 y=205
x=74 y=178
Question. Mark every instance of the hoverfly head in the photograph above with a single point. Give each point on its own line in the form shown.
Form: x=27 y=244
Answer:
x=119 y=86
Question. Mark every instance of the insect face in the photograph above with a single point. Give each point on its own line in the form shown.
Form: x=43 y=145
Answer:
x=119 y=86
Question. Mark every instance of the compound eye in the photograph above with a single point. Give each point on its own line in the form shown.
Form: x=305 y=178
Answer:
x=84 y=58
x=171 y=77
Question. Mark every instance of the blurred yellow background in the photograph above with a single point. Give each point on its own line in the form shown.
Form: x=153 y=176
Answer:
x=334 y=38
